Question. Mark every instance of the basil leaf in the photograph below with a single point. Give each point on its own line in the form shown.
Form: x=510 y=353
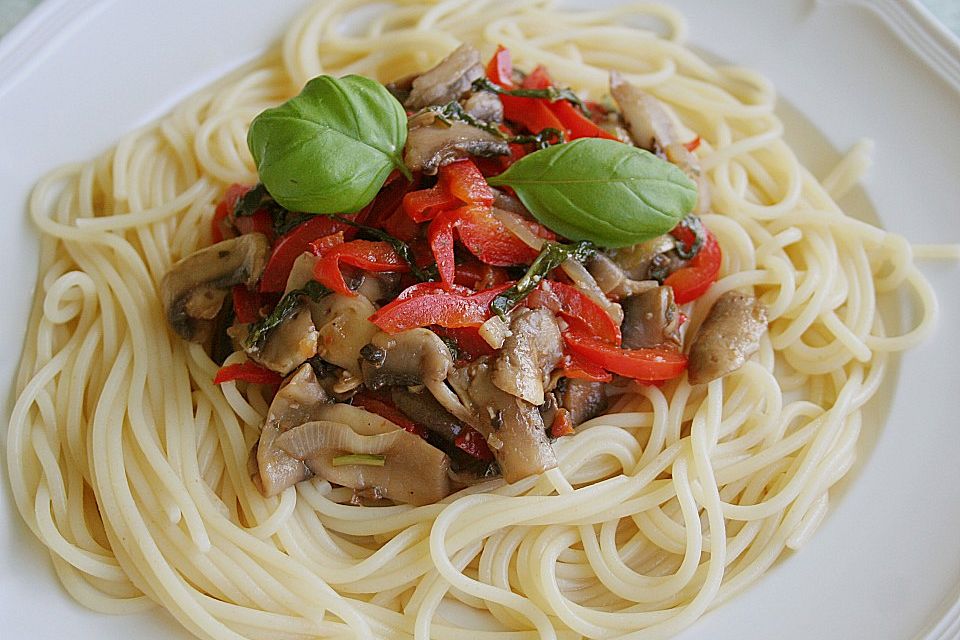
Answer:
x=551 y=256
x=604 y=191
x=331 y=148
x=257 y=334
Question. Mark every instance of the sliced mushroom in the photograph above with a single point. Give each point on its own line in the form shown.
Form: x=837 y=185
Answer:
x=583 y=399
x=413 y=357
x=412 y=470
x=194 y=289
x=424 y=409
x=652 y=129
x=448 y=80
x=513 y=428
x=651 y=319
x=613 y=281
x=653 y=259
x=343 y=329
x=728 y=336
x=433 y=143
x=286 y=346
x=298 y=401
x=376 y=287
x=302 y=272
x=529 y=354
x=484 y=105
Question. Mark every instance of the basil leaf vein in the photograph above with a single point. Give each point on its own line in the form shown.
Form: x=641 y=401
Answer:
x=603 y=191
x=331 y=148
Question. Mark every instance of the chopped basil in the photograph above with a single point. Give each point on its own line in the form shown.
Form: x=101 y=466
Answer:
x=287 y=305
x=402 y=248
x=552 y=255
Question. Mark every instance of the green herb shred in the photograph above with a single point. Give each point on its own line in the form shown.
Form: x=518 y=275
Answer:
x=287 y=305
x=367 y=459
x=552 y=255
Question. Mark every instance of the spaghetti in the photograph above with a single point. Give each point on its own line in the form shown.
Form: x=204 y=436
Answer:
x=131 y=465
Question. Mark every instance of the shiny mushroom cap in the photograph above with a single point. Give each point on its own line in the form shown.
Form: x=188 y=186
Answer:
x=194 y=289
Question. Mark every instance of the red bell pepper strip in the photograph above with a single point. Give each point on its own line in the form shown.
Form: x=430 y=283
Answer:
x=692 y=281
x=562 y=426
x=321 y=245
x=290 y=245
x=574 y=366
x=364 y=254
x=479 y=276
x=247 y=372
x=583 y=315
x=374 y=404
x=471 y=441
x=221 y=222
x=459 y=183
x=468 y=340
x=576 y=124
x=645 y=365
x=246 y=304
x=482 y=234
x=500 y=68
x=693 y=145
x=432 y=305
x=259 y=222
x=532 y=113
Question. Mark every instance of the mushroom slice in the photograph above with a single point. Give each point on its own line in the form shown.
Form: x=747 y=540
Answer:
x=728 y=336
x=194 y=289
x=484 y=105
x=296 y=402
x=301 y=273
x=343 y=329
x=583 y=399
x=404 y=468
x=413 y=357
x=424 y=410
x=613 y=281
x=513 y=428
x=286 y=346
x=433 y=143
x=652 y=129
x=651 y=319
x=652 y=259
x=529 y=354
x=448 y=80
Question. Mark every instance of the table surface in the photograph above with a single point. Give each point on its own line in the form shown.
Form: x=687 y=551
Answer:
x=12 y=11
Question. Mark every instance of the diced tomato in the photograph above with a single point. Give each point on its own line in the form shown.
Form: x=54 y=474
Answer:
x=692 y=281
x=246 y=304
x=431 y=305
x=247 y=372
x=296 y=241
x=364 y=254
x=379 y=405
x=471 y=441
x=644 y=365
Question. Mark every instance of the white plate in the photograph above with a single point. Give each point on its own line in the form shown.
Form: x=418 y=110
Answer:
x=886 y=563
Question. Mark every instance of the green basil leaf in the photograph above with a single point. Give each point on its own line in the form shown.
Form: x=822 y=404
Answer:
x=331 y=148
x=610 y=193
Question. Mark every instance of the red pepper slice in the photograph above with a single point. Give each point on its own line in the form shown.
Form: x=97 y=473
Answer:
x=459 y=183
x=469 y=343
x=574 y=366
x=380 y=406
x=471 y=441
x=500 y=67
x=693 y=145
x=290 y=245
x=479 y=276
x=321 y=245
x=364 y=254
x=247 y=372
x=645 y=365
x=246 y=304
x=562 y=426
x=259 y=222
x=532 y=113
x=220 y=224
x=572 y=121
x=579 y=310
x=538 y=79
x=692 y=281
x=432 y=305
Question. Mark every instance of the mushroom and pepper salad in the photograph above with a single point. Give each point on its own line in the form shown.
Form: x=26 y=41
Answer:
x=438 y=277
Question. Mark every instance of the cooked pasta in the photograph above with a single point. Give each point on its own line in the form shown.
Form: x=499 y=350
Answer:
x=130 y=465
